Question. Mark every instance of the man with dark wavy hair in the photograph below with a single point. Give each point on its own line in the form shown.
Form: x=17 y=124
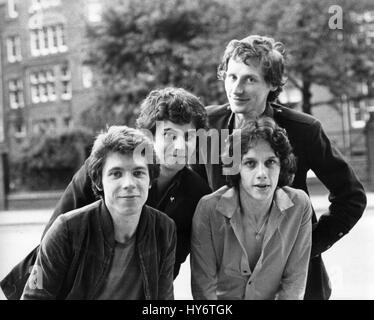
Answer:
x=253 y=73
x=171 y=117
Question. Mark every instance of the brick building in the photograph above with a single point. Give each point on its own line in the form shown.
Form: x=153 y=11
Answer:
x=45 y=81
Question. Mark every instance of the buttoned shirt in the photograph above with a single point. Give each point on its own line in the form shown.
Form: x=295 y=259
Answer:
x=220 y=267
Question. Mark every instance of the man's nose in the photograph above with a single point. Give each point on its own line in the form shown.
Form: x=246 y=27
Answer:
x=180 y=143
x=238 y=87
x=262 y=172
x=128 y=181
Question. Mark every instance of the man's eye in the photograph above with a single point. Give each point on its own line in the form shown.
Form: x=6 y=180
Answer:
x=231 y=77
x=250 y=164
x=139 y=173
x=116 y=174
x=271 y=162
x=250 y=80
x=170 y=135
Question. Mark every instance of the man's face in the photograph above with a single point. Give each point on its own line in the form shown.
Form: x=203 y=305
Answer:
x=259 y=172
x=246 y=88
x=125 y=181
x=174 y=143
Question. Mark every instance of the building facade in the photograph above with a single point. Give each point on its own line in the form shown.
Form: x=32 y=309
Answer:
x=46 y=83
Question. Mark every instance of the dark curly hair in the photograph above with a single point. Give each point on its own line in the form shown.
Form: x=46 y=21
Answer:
x=265 y=129
x=266 y=51
x=174 y=104
x=120 y=139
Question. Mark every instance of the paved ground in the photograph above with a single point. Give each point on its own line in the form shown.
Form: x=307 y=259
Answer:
x=350 y=262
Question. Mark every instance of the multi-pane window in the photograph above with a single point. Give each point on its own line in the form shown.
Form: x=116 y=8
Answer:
x=48 y=40
x=19 y=129
x=12 y=9
x=65 y=82
x=94 y=11
x=43 y=86
x=15 y=89
x=13 y=44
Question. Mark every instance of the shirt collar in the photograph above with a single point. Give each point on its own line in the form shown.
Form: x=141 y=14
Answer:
x=229 y=201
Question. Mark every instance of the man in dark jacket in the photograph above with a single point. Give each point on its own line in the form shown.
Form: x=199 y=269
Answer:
x=252 y=71
x=170 y=116
x=116 y=248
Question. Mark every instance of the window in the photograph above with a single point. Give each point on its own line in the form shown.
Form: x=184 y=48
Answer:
x=87 y=77
x=94 y=10
x=13 y=44
x=37 y=5
x=15 y=94
x=19 y=130
x=68 y=123
x=359 y=114
x=43 y=86
x=12 y=9
x=48 y=40
x=66 y=82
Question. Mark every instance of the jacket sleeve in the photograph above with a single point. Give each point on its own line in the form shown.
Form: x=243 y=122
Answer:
x=52 y=263
x=346 y=193
x=166 y=290
x=203 y=259
x=293 y=283
x=76 y=195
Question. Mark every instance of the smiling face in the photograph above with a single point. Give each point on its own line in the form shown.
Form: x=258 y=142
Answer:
x=174 y=143
x=246 y=88
x=125 y=181
x=259 y=172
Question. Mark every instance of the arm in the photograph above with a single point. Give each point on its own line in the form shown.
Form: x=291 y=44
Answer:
x=52 y=263
x=347 y=195
x=203 y=258
x=294 y=277
x=166 y=278
x=77 y=194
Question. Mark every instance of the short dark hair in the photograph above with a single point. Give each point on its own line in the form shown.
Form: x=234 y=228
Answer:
x=267 y=130
x=174 y=104
x=120 y=139
x=266 y=51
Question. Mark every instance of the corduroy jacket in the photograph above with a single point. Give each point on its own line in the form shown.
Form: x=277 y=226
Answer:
x=74 y=256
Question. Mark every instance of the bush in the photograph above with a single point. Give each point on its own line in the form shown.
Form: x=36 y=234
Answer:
x=50 y=162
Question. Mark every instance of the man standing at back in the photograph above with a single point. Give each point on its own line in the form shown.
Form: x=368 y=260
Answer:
x=253 y=73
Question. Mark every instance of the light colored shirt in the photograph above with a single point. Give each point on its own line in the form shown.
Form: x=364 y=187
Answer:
x=220 y=266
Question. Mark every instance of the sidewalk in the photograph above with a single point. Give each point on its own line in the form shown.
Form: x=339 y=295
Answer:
x=41 y=216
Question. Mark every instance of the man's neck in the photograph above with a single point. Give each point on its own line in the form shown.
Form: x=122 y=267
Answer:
x=124 y=226
x=165 y=178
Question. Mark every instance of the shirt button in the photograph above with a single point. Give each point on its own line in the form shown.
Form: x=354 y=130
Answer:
x=249 y=283
x=341 y=234
x=245 y=271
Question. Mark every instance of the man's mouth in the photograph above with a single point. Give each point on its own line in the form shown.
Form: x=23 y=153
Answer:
x=240 y=100
x=130 y=196
x=262 y=186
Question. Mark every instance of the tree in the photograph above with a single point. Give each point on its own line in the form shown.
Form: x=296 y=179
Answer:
x=318 y=54
x=144 y=45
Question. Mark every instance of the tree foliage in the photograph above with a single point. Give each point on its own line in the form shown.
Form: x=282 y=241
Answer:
x=49 y=163
x=143 y=45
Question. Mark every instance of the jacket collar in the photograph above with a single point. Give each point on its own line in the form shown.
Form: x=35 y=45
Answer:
x=230 y=118
x=108 y=226
x=228 y=204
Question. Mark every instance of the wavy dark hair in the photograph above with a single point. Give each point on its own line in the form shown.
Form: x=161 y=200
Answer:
x=265 y=129
x=268 y=53
x=174 y=104
x=120 y=139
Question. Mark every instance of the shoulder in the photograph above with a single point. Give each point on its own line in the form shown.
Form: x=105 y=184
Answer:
x=159 y=218
x=194 y=183
x=83 y=213
x=217 y=110
x=300 y=200
x=286 y=116
x=211 y=200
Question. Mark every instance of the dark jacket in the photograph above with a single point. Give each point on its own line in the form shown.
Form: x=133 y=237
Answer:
x=75 y=254
x=179 y=203
x=313 y=151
